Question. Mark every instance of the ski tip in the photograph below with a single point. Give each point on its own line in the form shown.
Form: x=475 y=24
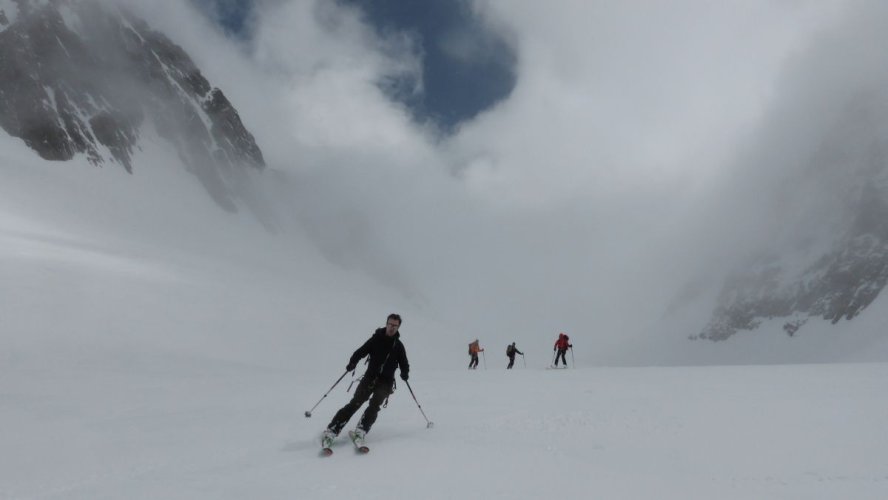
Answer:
x=326 y=452
x=363 y=449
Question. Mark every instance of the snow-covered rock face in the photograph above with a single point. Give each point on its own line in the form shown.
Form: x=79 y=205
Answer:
x=811 y=190
x=838 y=286
x=836 y=280
x=80 y=78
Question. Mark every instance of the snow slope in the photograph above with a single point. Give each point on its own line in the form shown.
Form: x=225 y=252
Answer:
x=189 y=429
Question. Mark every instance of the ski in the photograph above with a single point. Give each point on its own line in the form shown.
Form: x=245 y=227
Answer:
x=326 y=444
x=358 y=441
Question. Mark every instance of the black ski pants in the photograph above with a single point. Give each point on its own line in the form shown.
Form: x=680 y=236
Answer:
x=511 y=362
x=474 y=362
x=373 y=389
x=561 y=353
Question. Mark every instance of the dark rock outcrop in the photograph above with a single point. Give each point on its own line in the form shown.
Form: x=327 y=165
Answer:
x=79 y=77
x=839 y=285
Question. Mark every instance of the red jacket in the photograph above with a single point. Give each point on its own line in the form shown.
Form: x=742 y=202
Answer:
x=563 y=342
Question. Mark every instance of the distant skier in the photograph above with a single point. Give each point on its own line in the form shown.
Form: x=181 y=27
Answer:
x=561 y=346
x=474 y=349
x=511 y=351
x=386 y=353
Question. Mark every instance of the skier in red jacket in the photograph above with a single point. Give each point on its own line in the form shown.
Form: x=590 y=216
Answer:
x=561 y=346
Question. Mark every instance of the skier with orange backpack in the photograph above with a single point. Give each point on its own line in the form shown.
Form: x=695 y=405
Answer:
x=474 y=349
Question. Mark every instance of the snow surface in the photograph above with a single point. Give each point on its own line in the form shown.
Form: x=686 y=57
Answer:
x=189 y=428
x=155 y=346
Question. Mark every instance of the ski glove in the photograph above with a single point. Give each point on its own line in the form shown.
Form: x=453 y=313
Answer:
x=404 y=376
x=351 y=366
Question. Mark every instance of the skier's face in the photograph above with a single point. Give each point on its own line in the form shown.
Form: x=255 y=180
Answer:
x=391 y=327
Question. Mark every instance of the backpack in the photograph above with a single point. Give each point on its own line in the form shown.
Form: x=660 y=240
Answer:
x=509 y=350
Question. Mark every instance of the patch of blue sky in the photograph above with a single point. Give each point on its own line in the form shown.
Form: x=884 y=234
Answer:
x=466 y=67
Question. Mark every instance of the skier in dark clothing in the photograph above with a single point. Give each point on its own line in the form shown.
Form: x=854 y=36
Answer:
x=561 y=346
x=511 y=351
x=386 y=354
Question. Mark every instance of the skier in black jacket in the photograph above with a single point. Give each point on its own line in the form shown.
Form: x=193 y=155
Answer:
x=386 y=353
x=511 y=351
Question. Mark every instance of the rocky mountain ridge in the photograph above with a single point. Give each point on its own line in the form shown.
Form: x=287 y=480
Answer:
x=81 y=77
x=839 y=285
x=843 y=277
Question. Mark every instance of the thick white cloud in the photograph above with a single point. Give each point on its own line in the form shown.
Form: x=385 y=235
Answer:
x=613 y=96
x=565 y=207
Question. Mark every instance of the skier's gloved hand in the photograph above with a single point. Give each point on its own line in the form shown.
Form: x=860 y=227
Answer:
x=404 y=376
x=351 y=366
x=570 y=345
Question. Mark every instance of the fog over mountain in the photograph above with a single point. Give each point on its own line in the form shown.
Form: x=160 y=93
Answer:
x=816 y=172
x=652 y=177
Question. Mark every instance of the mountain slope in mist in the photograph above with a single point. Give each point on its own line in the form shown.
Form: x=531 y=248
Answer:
x=818 y=169
x=85 y=77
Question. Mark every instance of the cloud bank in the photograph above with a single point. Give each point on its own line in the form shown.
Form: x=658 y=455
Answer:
x=605 y=188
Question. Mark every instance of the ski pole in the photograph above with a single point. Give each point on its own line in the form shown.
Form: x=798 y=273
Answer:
x=554 y=357
x=429 y=424
x=485 y=359
x=308 y=413
x=572 y=362
x=525 y=361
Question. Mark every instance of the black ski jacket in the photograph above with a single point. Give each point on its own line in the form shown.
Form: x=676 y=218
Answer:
x=383 y=349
